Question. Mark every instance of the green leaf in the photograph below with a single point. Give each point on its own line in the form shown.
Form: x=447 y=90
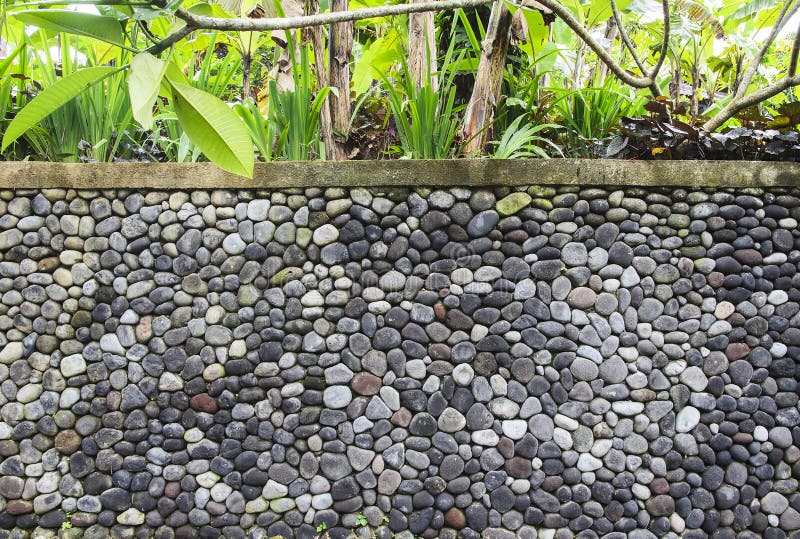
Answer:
x=576 y=8
x=380 y=56
x=738 y=10
x=599 y=11
x=5 y=64
x=53 y=98
x=143 y=84
x=214 y=128
x=209 y=10
x=100 y=27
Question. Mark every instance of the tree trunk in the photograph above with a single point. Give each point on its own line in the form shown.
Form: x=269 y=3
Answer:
x=282 y=71
x=600 y=67
x=314 y=34
x=488 y=80
x=739 y=72
x=246 y=62
x=695 y=91
x=578 y=68
x=341 y=46
x=675 y=83
x=422 y=49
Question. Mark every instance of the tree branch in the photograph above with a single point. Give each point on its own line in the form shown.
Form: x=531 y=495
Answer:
x=740 y=103
x=664 y=43
x=198 y=22
x=626 y=40
x=629 y=44
x=171 y=39
x=741 y=99
x=605 y=56
x=789 y=9
x=795 y=52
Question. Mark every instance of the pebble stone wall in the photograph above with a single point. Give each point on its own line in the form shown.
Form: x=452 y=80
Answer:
x=549 y=361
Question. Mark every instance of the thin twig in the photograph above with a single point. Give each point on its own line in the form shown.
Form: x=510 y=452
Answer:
x=171 y=39
x=605 y=56
x=626 y=40
x=664 y=43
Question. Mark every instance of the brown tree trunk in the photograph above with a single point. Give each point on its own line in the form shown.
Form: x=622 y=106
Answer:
x=341 y=46
x=675 y=83
x=246 y=62
x=422 y=49
x=695 y=91
x=314 y=34
x=481 y=107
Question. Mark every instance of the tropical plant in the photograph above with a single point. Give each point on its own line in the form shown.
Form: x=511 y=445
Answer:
x=522 y=141
x=261 y=129
x=591 y=113
x=425 y=118
x=296 y=112
x=187 y=80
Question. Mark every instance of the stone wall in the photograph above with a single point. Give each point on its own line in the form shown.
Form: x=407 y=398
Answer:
x=442 y=363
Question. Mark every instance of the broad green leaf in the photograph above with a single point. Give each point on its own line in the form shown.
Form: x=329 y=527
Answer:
x=381 y=55
x=6 y=62
x=547 y=58
x=145 y=13
x=576 y=8
x=214 y=128
x=737 y=10
x=599 y=11
x=173 y=75
x=465 y=65
x=143 y=84
x=53 y=98
x=100 y=27
x=209 y=10
x=116 y=11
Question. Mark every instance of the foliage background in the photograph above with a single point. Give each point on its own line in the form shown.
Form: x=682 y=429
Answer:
x=101 y=89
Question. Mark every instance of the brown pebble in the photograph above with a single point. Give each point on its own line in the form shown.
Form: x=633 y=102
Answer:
x=519 y=467
x=67 y=442
x=19 y=507
x=454 y=518
x=401 y=417
x=203 y=402
x=737 y=350
x=366 y=384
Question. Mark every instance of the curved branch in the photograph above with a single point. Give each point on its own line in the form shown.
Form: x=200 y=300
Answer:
x=664 y=43
x=626 y=39
x=740 y=103
x=741 y=99
x=198 y=22
x=788 y=10
x=565 y=15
